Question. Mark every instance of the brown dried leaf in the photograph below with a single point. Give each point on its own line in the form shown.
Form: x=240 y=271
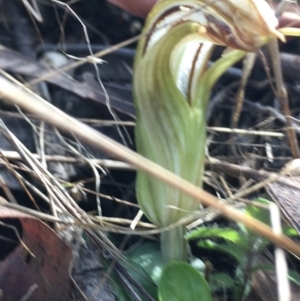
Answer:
x=286 y=194
x=43 y=276
x=15 y=62
x=264 y=287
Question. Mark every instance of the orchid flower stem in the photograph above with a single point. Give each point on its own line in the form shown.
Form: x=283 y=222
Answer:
x=173 y=244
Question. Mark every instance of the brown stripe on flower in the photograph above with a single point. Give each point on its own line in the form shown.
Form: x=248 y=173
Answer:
x=241 y=25
x=216 y=27
x=157 y=23
x=191 y=75
x=222 y=34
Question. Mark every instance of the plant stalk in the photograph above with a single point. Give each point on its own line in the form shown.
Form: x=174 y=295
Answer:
x=173 y=244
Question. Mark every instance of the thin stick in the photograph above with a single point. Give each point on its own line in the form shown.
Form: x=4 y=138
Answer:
x=283 y=97
x=283 y=287
x=105 y=163
x=28 y=100
x=245 y=132
x=248 y=64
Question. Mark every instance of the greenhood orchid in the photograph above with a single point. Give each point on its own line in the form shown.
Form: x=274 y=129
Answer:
x=172 y=84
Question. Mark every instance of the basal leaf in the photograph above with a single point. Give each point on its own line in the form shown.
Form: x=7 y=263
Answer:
x=181 y=282
x=149 y=257
x=142 y=277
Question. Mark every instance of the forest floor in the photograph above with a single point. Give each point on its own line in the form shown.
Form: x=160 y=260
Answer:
x=42 y=169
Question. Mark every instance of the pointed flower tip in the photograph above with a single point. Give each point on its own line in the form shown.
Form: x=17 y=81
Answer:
x=242 y=24
x=279 y=35
x=269 y=19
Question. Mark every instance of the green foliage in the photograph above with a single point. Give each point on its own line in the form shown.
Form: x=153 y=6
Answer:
x=220 y=282
x=140 y=274
x=181 y=282
x=149 y=257
x=233 y=250
x=175 y=281
x=145 y=264
x=261 y=214
x=243 y=238
x=294 y=277
x=242 y=245
x=227 y=234
x=118 y=287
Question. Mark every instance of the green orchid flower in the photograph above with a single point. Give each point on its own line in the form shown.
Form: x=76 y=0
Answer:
x=172 y=83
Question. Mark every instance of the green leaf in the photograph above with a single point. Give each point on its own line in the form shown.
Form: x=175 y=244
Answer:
x=290 y=231
x=294 y=277
x=149 y=257
x=144 y=264
x=142 y=277
x=259 y=213
x=181 y=282
x=264 y=216
x=118 y=287
x=224 y=233
x=256 y=212
x=230 y=249
x=120 y=291
x=220 y=281
x=241 y=291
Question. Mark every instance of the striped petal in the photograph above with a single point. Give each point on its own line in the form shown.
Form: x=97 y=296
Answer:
x=239 y=24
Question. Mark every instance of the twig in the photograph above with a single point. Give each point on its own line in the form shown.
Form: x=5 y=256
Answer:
x=245 y=132
x=248 y=64
x=283 y=97
x=105 y=163
x=18 y=94
x=283 y=287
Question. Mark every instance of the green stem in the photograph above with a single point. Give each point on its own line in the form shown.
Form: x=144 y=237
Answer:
x=173 y=244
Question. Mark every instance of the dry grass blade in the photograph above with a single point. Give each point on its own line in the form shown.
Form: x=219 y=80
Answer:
x=283 y=98
x=283 y=288
x=18 y=94
x=283 y=190
x=281 y=91
x=286 y=196
x=247 y=69
x=83 y=61
x=109 y=164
